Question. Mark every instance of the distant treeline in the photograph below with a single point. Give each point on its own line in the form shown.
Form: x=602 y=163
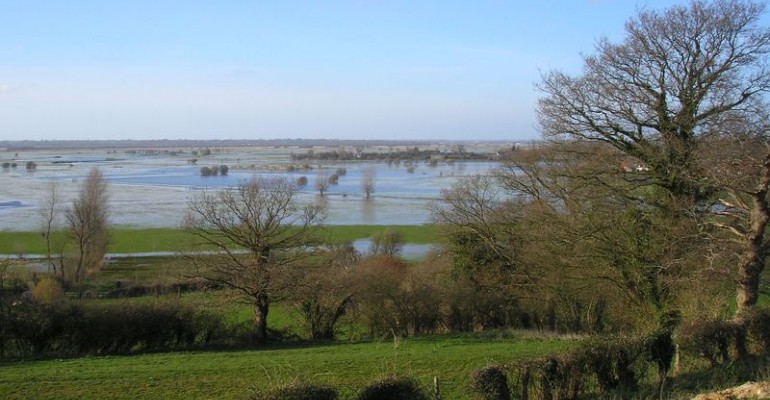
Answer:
x=413 y=153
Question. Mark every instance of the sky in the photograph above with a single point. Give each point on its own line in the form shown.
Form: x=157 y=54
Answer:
x=332 y=69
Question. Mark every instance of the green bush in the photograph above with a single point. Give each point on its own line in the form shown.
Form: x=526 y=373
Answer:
x=302 y=391
x=758 y=327
x=395 y=388
x=30 y=329
x=719 y=341
x=491 y=383
x=611 y=365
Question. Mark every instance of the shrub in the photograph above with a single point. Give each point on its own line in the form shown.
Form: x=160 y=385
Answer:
x=714 y=339
x=387 y=242
x=223 y=170
x=33 y=329
x=758 y=327
x=127 y=328
x=723 y=341
x=302 y=391
x=394 y=298
x=394 y=388
x=610 y=365
x=48 y=291
x=301 y=181
x=491 y=382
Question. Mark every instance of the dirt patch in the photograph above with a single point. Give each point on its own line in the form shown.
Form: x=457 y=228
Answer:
x=749 y=390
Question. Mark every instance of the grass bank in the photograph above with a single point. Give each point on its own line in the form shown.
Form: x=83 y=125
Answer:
x=236 y=374
x=140 y=240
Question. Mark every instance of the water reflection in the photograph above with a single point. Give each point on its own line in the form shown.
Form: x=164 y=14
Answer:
x=368 y=211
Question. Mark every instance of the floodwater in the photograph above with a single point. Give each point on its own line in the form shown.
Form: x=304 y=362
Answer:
x=154 y=190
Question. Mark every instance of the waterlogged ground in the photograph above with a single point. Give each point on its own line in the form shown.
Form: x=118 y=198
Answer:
x=154 y=190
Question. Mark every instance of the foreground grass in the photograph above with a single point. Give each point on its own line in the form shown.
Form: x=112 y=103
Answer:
x=140 y=240
x=236 y=374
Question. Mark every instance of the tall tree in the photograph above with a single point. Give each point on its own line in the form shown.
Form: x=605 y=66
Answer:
x=741 y=166
x=88 y=224
x=253 y=232
x=49 y=214
x=679 y=80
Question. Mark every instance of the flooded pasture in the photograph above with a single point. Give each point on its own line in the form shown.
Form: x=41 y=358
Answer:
x=154 y=190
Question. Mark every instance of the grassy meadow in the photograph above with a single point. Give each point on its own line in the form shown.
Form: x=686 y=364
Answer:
x=140 y=240
x=237 y=374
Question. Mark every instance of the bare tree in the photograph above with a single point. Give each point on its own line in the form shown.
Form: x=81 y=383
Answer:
x=669 y=83
x=324 y=291
x=483 y=230
x=322 y=182
x=256 y=231
x=741 y=166
x=49 y=214
x=388 y=242
x=88 y=224
x=680 y=79
x=367 y=181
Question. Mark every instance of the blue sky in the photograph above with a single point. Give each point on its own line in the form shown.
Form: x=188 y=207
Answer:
x=356 y=69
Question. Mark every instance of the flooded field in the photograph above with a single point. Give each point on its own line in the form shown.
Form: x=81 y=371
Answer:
x=153 y=190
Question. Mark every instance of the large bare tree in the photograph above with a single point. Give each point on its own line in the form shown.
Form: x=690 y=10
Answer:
x=681 y=78
x=250 y=234
x=87 y=221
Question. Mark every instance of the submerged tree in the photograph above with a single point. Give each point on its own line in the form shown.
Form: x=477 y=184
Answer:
x=367 y=181
x=255 y=231
x=322 y=182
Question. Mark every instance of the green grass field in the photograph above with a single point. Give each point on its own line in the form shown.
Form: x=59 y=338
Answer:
x=236 y=374
x=139 y=240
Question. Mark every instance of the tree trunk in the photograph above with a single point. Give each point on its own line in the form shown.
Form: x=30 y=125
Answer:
x=753 y=261
x=748 y=282
x=262 y=307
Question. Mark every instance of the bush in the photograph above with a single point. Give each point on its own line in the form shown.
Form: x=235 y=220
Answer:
x=387 y=243
x=492 y=383
x=758 y=327
x=303 y=391
x=719 y=341
x=301 y=181
x=40 y=330
x=394 y=298
x=723 y=341
x=48 y=291
x=394 y=389
x=611 y=365
x=206 y=171
x=128 y=328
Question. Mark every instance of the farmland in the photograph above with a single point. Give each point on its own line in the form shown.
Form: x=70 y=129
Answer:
x=236 y=374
